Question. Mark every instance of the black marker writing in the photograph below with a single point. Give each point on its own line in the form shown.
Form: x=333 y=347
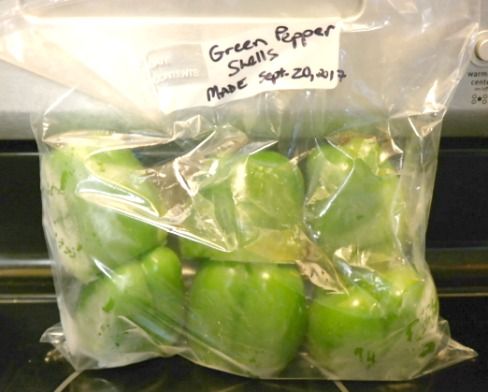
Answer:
x=216 y=53
x=219 y=92
x=273 y=76
x=283 y=34
x=302 y=72
x=305 y=72
x=238 y=65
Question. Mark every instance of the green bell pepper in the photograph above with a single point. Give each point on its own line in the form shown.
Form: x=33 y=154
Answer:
x=246 y=318
x=386 y=331
x=84 y=190
x=257 y=204
x=137 y=310
x=353 y=198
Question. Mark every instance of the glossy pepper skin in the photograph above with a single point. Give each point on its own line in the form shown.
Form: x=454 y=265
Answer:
x=84 y=188
x=134 y=313
x=413 y=320
x=246 y=318
x=388 y=331
x=353 y=198
x=258 y=202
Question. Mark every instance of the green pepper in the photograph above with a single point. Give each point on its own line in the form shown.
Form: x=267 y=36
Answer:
x=84 y=190
x=412 y=320
x=256 y=202
x=352 y=197
x=135 y=311
x=246 y=318
x=388 y=330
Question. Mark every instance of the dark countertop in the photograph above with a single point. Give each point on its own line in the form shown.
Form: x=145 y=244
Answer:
x=27 y=365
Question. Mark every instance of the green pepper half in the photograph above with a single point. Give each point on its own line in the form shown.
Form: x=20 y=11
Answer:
x=90 y=198
x=246 y=318
x=388 y=331
x=137 y=310
x=353 y=198
x=257 y=203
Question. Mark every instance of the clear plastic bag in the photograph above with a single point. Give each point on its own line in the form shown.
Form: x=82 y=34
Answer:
x=245 y=184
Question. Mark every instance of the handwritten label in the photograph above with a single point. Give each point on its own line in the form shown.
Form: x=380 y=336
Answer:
x=299 y=55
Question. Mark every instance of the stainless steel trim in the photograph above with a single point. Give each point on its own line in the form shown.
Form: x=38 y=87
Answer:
x=27 y=298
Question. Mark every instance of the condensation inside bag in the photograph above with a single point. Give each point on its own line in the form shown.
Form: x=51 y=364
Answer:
x=275 y=235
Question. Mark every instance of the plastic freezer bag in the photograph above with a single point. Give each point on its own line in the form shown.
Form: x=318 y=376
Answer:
x=246 y=185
